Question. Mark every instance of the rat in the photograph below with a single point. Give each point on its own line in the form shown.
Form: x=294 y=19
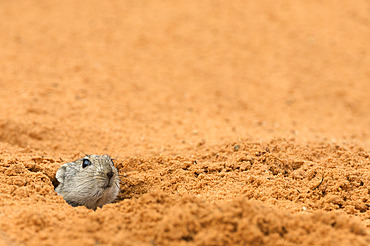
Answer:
x=91 y=181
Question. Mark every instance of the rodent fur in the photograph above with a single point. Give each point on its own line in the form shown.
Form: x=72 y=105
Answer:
x=91 y=185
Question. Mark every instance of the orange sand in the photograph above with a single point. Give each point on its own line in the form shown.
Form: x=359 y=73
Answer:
x=239 y=123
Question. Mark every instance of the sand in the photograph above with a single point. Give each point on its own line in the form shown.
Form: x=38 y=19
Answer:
x=239 y=123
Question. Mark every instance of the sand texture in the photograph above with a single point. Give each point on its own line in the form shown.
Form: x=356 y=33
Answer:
x=231 y=122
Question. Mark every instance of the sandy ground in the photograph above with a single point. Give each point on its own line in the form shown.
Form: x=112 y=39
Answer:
x=244 y=123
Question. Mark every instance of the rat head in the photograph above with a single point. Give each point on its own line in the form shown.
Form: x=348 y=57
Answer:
x=91 y=181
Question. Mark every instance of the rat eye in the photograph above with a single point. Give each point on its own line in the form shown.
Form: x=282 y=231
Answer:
x=86 y=163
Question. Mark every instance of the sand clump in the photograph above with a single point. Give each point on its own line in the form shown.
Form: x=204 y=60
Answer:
x=268 y=194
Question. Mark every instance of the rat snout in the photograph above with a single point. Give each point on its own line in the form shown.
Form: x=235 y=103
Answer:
x=110 y=174
x=108 y=181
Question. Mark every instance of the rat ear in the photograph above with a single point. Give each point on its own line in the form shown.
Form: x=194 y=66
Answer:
x=61 y=173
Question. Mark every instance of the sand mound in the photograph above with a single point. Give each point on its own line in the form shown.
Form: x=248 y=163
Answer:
x=201 y=198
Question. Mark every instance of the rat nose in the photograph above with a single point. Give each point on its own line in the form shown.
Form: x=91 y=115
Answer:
x=110 y=174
